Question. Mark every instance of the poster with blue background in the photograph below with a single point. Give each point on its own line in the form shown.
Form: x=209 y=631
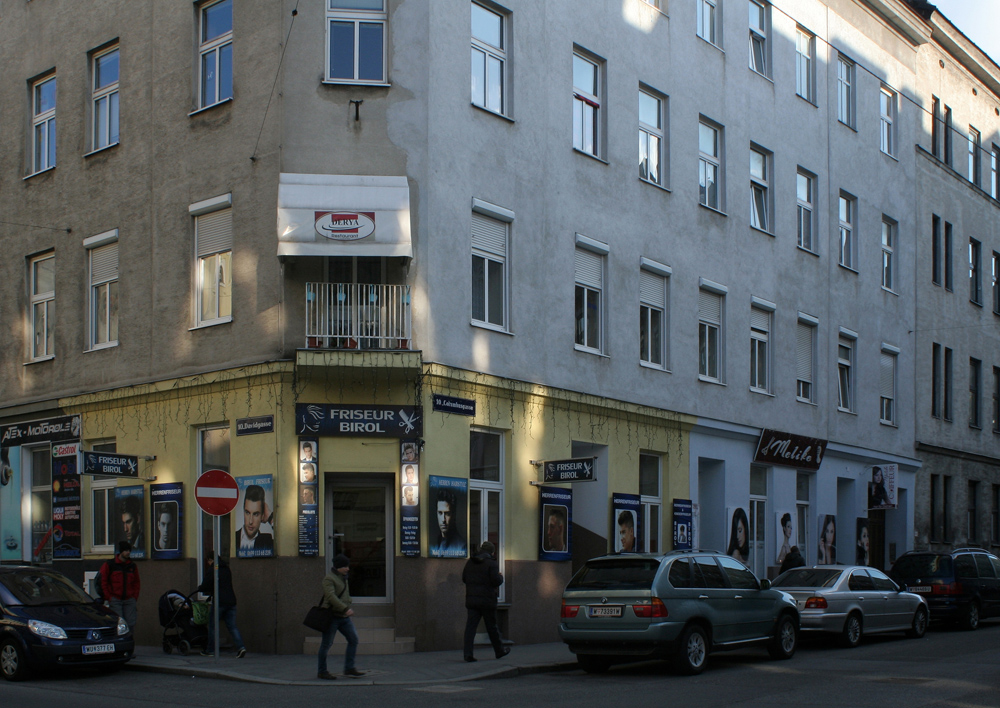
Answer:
x=167 y=501
x=556 y=538
x=626 y=513
x=449 y=502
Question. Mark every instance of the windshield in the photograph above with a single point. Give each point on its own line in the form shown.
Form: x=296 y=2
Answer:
x=35 y=588
x=806 y=578
x=616 y=574
x=928 y=566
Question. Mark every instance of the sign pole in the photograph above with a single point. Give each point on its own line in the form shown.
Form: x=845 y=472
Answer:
x=215 y=584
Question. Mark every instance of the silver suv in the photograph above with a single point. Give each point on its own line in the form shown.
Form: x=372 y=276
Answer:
x=681 y=605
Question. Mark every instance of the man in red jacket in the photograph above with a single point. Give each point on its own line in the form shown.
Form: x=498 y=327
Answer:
x=120 y=584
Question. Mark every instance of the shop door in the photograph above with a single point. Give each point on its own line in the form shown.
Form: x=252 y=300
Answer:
x=876 y=539
x=359 y=524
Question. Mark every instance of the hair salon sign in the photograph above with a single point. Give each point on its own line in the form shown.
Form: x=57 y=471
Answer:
x=778 y=448
x=345 y=225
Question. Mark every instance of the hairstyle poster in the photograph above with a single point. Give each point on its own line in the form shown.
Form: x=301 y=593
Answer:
x=882 y=487
x=130 y=518
x=409 y=498
x=307 y=480
x=785 y=524
x=554 y=543
x=738 y=545
x=255 y=517
x=167 y=501
x=626 y=521
x=826 y=549
x=863 y=542
x=448 y=502
x=683 y=525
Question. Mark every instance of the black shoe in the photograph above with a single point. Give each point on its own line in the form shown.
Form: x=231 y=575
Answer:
x=470 y=658
x=326 y=675
x=505 y=652
x=206 y=652
x=354 y=673
x=241 y=653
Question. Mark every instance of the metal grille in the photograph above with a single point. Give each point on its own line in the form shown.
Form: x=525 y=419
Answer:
x=357 y=316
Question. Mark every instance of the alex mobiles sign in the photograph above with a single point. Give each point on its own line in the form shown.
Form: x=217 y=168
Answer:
x=779 y=448
x=345 y=225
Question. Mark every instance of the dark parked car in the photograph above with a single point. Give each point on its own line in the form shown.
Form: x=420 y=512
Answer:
x=962 y=586
x=679 y=606
x=46 y=619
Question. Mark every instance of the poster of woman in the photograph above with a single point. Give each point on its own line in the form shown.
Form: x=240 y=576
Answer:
x=863 y=542
x=739 y=536
x=827 y=552
x=882 y=488
x=786 y=535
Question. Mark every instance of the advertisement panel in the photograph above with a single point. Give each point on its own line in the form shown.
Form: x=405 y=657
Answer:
x=626 y=514
x=130 y=517
x=448 y=497
x=67 y=528
x=683 y=531
x=409 y=498
x=10 y=504
x=255 y=536
x=167 y=501
x=307 y=474
x=556 y=520
x=882 y=487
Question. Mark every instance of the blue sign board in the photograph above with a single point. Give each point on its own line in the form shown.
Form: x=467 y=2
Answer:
x=254 y=426
x=110 y=464
x=683 y=528
x=450 y=404
x=329 y=419
x=578 y=470
x=626 y=522
x=556 y=509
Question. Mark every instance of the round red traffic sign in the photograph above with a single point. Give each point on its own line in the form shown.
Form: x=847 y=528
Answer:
x=216 y=492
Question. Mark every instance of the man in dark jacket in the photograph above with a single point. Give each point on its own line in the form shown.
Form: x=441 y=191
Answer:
x=120 y=584
x=482 y=579
x=226 y=598
x=793 y=559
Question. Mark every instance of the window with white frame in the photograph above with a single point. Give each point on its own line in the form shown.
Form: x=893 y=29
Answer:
x=889 y=230
x=845 y=373
x=975 y=140
x=215 y=52
x=652 y=317
x=804 y=518
x=40 y=461
x=887 y=120
x=847 y=216
x=708 y=19
x=760 y=356
x=845 y=91
x=758 y=36
x=489 y=270
x=805 y=47
x=975 y=392
x=214 y=453
x=709 y=164
x=710 y=305
x=486 y=490
x=43 y=124
x=805 y=345
x=651 y=136
x=102 y=496
x=760 y=193
x=103 y=257
x=651 y=498
x=213 y=233
x=489 y=58
x=356 y=41
x=758 y=519
x=42 y=286
x=587 y=105
x=105 y=98
x=805 y=196
x=975 y=271
x=887 y=385
x=589 y=306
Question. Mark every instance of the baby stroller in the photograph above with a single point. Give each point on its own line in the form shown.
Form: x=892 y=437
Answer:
x=184 y=622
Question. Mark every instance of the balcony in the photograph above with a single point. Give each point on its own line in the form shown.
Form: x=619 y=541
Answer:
x=356 y=316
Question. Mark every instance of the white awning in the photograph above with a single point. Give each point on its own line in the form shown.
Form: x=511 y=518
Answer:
x=343 y=215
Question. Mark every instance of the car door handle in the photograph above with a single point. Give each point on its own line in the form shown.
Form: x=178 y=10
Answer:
x=703 y=597
x=738 y=597
x=862 y=599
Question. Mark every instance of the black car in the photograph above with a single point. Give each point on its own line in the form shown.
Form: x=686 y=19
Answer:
x=962 y=586
x=46 y=619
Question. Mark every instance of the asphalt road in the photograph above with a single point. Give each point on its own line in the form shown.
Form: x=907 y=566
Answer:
x=946 y=669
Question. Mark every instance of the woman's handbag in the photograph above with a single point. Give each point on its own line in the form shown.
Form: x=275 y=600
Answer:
x=319 y=618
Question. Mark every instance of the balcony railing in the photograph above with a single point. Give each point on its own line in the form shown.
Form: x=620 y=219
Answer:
x=355 y=316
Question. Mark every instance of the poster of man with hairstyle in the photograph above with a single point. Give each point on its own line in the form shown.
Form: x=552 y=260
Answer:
x=255 y=537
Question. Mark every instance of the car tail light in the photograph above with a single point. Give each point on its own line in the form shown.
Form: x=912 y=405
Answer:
x=948 y=589
x=654 y=610
x=569 y=611
x=816 y=603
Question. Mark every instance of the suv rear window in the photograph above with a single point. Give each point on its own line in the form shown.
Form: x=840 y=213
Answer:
x=616 y=574
x=922 y=566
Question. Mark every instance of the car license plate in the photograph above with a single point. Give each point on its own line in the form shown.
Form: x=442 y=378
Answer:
x=606 y=611
x=99 y=649
x=920 y=588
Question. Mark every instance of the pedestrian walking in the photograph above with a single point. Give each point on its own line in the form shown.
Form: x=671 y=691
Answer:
x=120 y=584
x=226 y=598
x=794 y=559
x=337 y=596
x=482 y=579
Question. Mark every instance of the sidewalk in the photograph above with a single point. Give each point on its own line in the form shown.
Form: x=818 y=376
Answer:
x=386 y=670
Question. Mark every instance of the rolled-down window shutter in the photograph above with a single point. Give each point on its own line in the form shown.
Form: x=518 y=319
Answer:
x=652 y=290
x=760 y=319
x=804 y=353
x=709 y=307
x=887 y=366
x=214 y=232
x=489 y=235
x=589 y=269
x=104 y=264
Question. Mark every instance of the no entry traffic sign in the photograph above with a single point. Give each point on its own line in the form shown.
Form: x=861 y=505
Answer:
x=216 y=492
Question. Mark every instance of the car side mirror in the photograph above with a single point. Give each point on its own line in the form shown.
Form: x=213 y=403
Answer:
x=765 y=584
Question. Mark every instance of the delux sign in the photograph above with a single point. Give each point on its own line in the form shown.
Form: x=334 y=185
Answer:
x=778 y=448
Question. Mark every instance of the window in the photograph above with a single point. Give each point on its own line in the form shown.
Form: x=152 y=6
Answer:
x=845 y=374
x=758 y=519
x=105 y=98
x=888 y=253
x=40 y=459
x=848 y=244
x=709 y=335
x=975 y=392
x=887 y=385
x=652 y=503
x=936 y=127
x=805 y=45
x=947 y=136
x=708 y=20
x=949 y=258
x=651 y=137
x=213 y=233
x=103 y=258
x=995 y=533
x=974 y=161
x=995 y=172
x=758 y=37
x=805 y=344
x=589 y=295
x=489 y=271
x=102 y=494
x=486 y=487
x=42 y=276
x=356 y=41
x=945 y=508
x=213 y=453
x=936 y=250
x=760 y=195
x=709 y=164
x=887 y=118
x=216 y=52
x=43 y=124
x=802 y=483
x=975 y=271
x=587 y=105
x=845 y=91
x=996 y=399
x=973 y=529
x=934 y=516
x=948 y=383
x=760 y=332
x=652 y=318
x=489 y=59
x=996 y=282
x=805 y=191
x=936 y=381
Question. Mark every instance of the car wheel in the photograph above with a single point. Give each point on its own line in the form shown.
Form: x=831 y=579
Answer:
x=851 y=636
x=692 y=653
x=13 y=664
x=184 y=647
x=919 y=627
x=167 y=647
x=786 y=638
x=593 y=664
x=970 y=620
